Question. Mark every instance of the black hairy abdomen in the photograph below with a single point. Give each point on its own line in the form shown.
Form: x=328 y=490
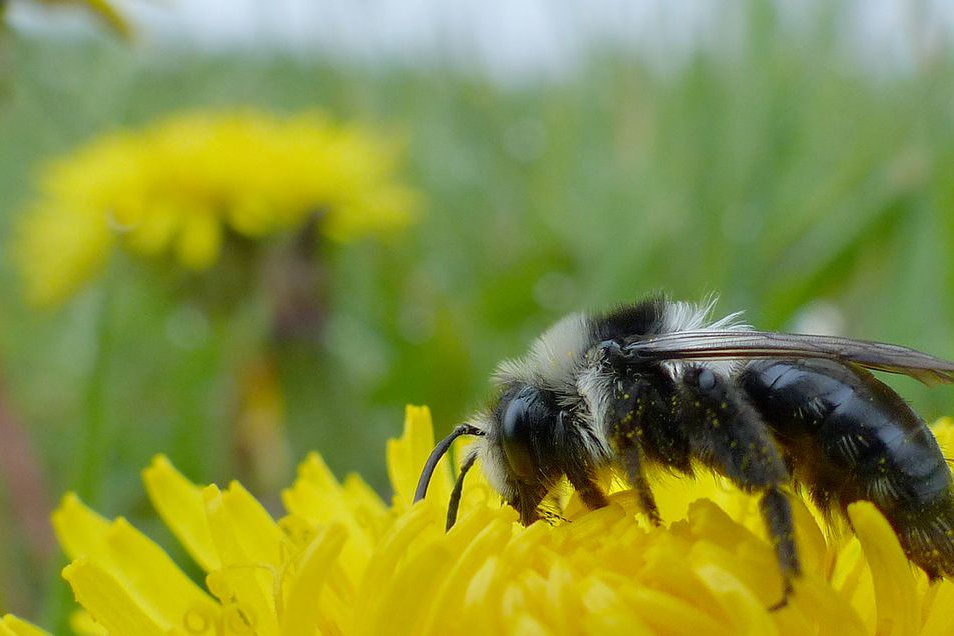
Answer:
x=849 y=430
x=847 y=436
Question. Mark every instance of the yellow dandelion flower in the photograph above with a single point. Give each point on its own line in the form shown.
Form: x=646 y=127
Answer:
x=342 y=561
x=184 y=185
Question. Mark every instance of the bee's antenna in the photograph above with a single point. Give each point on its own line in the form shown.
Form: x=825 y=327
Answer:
x=458 y=489
x=437 y=453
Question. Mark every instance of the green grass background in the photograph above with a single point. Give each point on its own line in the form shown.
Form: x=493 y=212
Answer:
x=771 y=168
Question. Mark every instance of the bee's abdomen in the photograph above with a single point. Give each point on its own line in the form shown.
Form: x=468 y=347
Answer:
x=847 y=437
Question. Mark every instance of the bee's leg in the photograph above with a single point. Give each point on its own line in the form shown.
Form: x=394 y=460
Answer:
x=643 y=426
x=583 y=480
x=632 y=463
x=777 y=512
x=526 y=501
x=729 y=435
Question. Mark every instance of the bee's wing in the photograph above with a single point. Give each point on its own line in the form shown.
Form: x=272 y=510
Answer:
x=705 y=344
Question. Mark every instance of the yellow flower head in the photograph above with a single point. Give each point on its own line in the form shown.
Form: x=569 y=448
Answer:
x=342 y=561
x=184 y=184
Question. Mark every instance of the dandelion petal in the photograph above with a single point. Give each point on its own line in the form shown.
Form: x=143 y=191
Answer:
x=897 y=602
x=406 y=457
x=108 y=601
x=179 y=503
x=12 y=626
x=301 y=613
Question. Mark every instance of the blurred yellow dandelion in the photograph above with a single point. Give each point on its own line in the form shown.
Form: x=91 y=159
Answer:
x=342 y=561
x=183 y=185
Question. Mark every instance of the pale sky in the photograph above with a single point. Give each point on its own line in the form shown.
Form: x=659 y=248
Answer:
x=509 y=37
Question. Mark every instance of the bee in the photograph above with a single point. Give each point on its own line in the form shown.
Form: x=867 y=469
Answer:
x=657 y=383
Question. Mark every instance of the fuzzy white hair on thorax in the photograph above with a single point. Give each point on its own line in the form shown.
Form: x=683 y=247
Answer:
x=683 y=316
x=554 y=358
x=595 y=386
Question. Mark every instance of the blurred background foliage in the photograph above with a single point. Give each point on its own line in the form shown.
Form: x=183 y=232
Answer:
x=812 y=189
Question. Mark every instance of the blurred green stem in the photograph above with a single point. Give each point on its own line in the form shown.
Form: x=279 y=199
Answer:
x=94 y=442
x=93 y=445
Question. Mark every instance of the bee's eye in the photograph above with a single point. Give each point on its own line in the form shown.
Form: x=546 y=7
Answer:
x=518 y=436
x=524 y=427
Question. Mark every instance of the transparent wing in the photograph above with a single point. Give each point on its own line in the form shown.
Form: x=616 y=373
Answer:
x=706 y=344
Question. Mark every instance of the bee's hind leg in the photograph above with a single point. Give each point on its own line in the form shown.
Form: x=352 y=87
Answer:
x=777 y=513
x=728 y=435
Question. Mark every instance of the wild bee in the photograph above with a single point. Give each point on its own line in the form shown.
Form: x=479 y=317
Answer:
x=658 y=383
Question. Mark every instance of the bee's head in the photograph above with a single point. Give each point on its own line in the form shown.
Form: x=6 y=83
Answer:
x=517 y=450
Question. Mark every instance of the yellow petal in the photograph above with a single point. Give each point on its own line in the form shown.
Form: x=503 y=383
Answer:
x=401 y=600
x=83 y=624
x=252 y=216
x=714 y=524
x=363 y=497
x=10 y=625
x=561 y=594
x=473 y=540
x=898 y=607
x=256 y=584
x=606 y=613
x=154 y=231
x=526 y=625
x=482 y=593
x=78 y=529
x=943 y=430
x=832 y=612
x=614 y=622
x=851 y=578
x=199 y=240
x=316 y=494
x=411 y=531
x=940 y=619
x=406 y=457
x=108 y=601
x=746 y=611
x=301 y=613
x=60 y=249
x=317 y=498
x=668 y=568
x=664 y=613
x=261 y=538
x=148 y=574
x=179 y=502
x=810 y=539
